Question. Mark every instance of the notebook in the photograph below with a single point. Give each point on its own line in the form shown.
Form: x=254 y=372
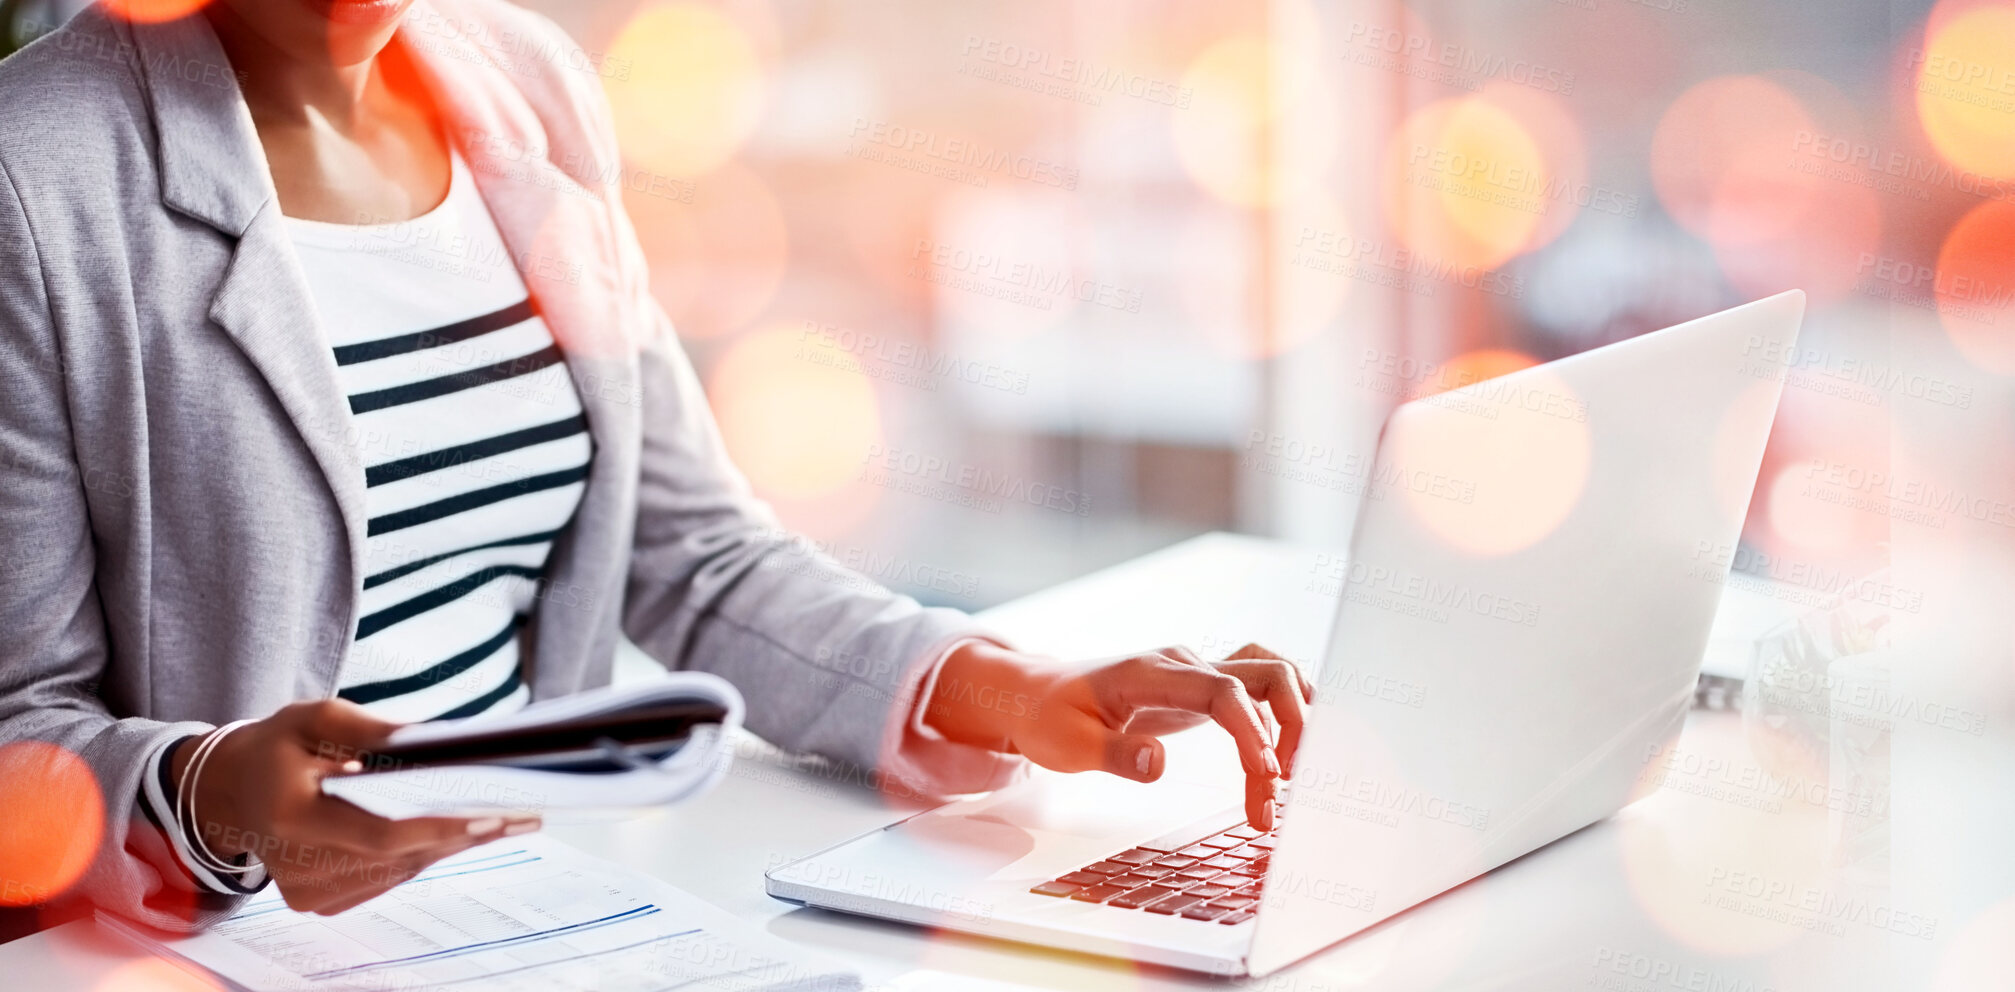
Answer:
x=605 y=750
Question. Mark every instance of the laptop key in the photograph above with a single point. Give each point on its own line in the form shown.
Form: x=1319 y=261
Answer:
x=1175 y=883
x=1263 y=843
x=1209 y=891
x=1058 y=888
x=1140 y=898
x=1128 y=881
x=1242 y=833
x=1137 y=856
x=1232 y=903
x=1173 y=904
x=1220 y=842
x=1204 y=912
x=1175 y=862
x=1106 y=868
x=1199 y=873
x=1233 y=919
x=1082 y=878
x=1198 y=851
x=1223 y=864
x=1151 y=871
x=1097 y=893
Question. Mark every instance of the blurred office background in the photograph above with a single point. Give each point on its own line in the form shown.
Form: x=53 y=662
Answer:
x=990 y=295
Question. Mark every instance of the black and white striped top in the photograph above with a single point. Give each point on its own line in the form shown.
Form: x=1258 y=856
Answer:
x=475 y=452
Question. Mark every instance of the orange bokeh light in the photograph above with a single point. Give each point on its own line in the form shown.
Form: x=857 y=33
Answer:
x=1965 y=84
x=156 y=975
x=1319 y=264
x=1475 y=366
x=1975 y=286
x=1724 y=164
x=1526 y=466
x=717 y=255
x=1821 y=255
x=1219 y=137
x=1718 y=160
x=797 y=411
x=153 y=11
x=1558 y=138
x=55 y=819
x=1691 y=865
x=1243 y=88
x=694 y=92
x=1799 y=519
x=1466 y=182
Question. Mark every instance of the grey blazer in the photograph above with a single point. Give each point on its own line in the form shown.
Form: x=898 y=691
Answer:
x=181 y=517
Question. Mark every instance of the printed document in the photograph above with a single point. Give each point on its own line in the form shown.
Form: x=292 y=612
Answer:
x=516 y=915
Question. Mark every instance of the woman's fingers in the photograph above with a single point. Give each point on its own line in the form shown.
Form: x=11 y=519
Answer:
x=1157 y=681
x=336 y=731
x=364 y=855
x=1279 y=685
x=1184 y=655
x=1161 y=723
x=1110 y=713
x=350 y=826
x=1259 y=808
x=1255 y=651
x=352 y=900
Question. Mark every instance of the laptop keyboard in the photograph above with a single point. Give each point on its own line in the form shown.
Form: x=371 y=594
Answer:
x=1215 y=879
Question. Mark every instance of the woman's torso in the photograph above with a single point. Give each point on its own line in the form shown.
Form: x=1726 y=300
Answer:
x=474 y=447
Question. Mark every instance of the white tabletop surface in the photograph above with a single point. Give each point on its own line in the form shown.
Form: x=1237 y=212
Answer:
x=1714 y=881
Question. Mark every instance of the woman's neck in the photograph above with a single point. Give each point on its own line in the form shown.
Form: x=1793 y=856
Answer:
x=284 y=89
x=342 y=141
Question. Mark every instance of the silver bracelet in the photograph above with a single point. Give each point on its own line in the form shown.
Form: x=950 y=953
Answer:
x=185 y=801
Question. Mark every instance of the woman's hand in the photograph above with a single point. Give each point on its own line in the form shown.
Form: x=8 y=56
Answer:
x=1106 y=715
x=260 y=793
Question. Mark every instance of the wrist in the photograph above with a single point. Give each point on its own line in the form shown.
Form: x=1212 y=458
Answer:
x=206 y=801
x=984 y=695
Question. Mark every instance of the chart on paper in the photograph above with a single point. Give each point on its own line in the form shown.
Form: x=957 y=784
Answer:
x=521 y=914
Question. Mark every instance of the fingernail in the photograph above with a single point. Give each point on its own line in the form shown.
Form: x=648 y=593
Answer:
x=486 y=825
x=1266 y=813
x=1143 y=760
x=1272 y=763
x=352 y=766
x=521 y=827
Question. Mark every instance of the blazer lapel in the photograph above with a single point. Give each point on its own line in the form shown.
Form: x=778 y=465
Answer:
x=265 y=305
x=213 y=169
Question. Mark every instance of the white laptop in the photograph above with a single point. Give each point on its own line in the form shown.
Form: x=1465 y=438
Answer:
x=1523 y=613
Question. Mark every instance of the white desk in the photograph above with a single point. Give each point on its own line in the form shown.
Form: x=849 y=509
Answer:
x=1697 y=887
